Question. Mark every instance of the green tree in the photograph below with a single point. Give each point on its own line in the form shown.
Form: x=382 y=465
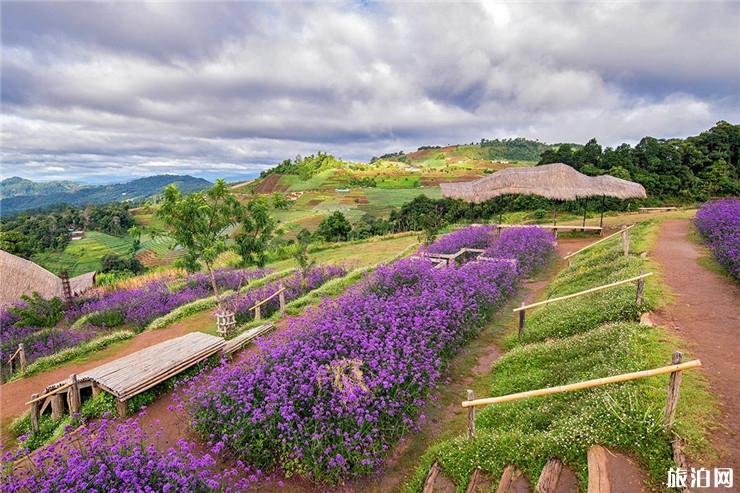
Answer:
x=304 y=261
x=335 y=228
x=135 y=233
x=280 y=201
x=257 y=230
x=199 y=222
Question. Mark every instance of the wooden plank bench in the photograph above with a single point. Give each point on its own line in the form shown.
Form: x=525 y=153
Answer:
x=642 y=210
x=238 y=342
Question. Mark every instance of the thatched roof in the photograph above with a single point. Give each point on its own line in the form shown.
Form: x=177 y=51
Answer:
x=556 y=181
x=19 y=276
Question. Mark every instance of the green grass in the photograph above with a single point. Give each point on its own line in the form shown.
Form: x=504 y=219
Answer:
x=571 y=341
x=84 y=255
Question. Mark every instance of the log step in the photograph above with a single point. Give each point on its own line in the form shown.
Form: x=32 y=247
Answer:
x=556 y=478
x=513 y=481
x=479 y=482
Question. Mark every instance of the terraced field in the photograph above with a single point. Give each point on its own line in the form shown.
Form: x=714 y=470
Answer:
x=84 y=255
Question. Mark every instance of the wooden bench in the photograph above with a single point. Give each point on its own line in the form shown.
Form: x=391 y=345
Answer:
x=643 y=210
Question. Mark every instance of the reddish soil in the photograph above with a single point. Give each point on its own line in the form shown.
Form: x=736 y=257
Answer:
x=14 y=395
x=624 y=475
x=270 y=184
x=706 y=313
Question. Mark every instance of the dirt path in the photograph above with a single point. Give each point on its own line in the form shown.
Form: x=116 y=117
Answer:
x=14 y=395
x=706 y=313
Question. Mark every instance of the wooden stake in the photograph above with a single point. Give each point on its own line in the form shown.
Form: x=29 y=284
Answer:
x=471 y=416
x=257 y=313
x=473 y=483
x=431 y=478
x=57 y=406
x=521 y=319
x=550 y=475
x=282 y=300
x=35 y=407
x=625 y=242
x=22 y=356
x=95 y=389
x=674 y=389
x=598 y=477
x=640 y=290
x=74 y=395
x=121 y=408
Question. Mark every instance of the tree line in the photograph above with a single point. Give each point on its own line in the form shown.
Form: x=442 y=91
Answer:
x=683 y=170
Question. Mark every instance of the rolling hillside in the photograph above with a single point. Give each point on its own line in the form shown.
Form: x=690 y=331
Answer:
x=132 y=191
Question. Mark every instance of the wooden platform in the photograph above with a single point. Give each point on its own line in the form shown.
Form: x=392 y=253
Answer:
x=142 y=370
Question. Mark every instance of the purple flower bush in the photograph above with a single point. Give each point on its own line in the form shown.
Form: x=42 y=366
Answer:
x=470 y=237
x=295 y=287
x=112 y=458
x=329 y=396
x=140 y=306
x=530 y=246
x=719 y=224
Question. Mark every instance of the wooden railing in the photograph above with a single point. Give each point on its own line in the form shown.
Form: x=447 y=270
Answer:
x=674 y=383
x=280 y=292
x=622 y=232
x=638 y=298
x=20 y=355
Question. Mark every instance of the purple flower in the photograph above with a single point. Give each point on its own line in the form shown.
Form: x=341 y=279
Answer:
x=719 y=224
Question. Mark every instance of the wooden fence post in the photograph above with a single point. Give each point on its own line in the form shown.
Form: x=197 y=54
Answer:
x=521 y=321
x=121 y=408
x=674 y=389
x=471 y=416
x=57 y=406
x=95 y=389
x=35 y=407
x=281 y=297
x=257 y=313
x=22 y=356
x=74 y=395
x=640 y=290
x=625 y=241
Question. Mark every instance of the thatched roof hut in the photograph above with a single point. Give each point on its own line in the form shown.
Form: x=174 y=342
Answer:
x=19 y=276
x=556 y=181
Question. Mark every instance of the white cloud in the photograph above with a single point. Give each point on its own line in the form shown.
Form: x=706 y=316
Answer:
x=115 y=89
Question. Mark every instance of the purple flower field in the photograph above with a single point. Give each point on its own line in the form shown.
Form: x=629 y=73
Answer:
x=530 y=246
x=330 y=396
x=115 y=458
x=470 y=237
x=140 y=306
x=719 y=224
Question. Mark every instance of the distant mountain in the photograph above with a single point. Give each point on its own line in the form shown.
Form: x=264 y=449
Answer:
x=133 y=191
x=17 y=186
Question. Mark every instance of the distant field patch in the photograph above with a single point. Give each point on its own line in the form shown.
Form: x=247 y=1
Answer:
x=84 y=255
x=398 y=197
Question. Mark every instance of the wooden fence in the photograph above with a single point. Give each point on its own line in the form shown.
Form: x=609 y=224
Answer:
x=674 y=384
x=625 y=241
x=20 y=356
x=280 y=292
x=638 y=298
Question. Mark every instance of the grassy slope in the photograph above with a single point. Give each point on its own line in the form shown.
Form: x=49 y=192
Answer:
x=569 y=343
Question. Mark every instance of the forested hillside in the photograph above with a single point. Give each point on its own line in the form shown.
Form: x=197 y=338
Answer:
x=16 y=186
x=695 y=168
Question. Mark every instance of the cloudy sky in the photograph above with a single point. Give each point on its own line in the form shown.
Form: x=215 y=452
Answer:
x=99 y=91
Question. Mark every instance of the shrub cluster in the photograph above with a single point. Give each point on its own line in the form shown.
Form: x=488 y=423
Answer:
x=719 y=224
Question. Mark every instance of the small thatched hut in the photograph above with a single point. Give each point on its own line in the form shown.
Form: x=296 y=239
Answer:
x=556 y=181
x=19 y=276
